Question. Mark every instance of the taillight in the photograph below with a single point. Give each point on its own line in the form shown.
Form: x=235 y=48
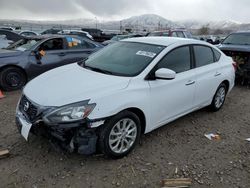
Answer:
x=235 y=66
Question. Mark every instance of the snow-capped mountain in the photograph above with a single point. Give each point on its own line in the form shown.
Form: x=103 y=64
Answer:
x=226 y=24
x=148 y=22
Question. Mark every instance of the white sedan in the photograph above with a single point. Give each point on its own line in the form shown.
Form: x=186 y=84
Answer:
x=124 y=90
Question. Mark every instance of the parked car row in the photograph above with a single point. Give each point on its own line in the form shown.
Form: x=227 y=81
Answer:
x=181 y=33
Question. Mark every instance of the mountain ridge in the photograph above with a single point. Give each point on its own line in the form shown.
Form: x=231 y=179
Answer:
x=147 y=22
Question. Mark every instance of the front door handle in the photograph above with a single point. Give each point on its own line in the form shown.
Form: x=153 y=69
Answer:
x=217 y=74
x=190 y=82
x=62 y=54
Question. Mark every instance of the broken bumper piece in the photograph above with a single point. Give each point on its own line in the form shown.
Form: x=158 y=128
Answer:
x=73 y=137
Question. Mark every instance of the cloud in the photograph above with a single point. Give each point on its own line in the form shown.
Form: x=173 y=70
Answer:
x=110 y=9
x=114 y=7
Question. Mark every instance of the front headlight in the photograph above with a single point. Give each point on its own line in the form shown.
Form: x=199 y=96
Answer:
x=69 y=113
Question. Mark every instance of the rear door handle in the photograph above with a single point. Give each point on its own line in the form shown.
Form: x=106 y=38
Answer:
x=190 y=82
x=217 y=74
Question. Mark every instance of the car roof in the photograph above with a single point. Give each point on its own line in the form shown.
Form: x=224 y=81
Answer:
x=168 y=30
x=164 y=41
x=26 y=31
x=47 y=36
x=7 y=31
x=68 y=30
x=241 y=32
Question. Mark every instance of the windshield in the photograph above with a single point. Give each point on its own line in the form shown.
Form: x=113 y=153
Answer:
x=238 y=39
x=123 y=58
x=23 y=44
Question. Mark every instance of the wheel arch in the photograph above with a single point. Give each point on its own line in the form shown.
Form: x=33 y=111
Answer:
x=140 y=115
x=15 y=66
x=227 y=83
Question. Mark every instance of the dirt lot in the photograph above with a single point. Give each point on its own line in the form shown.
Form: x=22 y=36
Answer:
x=177 y=150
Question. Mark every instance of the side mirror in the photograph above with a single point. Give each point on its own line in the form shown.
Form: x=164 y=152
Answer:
x=165 y=74
x=39 y=55
x=11 y=42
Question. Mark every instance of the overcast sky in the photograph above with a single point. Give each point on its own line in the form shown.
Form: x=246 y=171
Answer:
x=118 y=9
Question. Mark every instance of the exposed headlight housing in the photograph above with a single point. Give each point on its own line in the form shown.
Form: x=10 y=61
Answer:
x=69 y=113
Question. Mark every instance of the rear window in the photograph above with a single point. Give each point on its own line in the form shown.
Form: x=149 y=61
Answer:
x=217 y=54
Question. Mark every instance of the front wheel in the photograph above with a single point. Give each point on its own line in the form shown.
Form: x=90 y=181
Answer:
x=219 y=98
x=120 y=134
x=12 y=78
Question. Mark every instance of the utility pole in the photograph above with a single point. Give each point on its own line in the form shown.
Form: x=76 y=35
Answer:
x=95 y=22
x=120 y=26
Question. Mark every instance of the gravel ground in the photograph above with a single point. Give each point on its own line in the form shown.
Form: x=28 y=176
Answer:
x=179 y=149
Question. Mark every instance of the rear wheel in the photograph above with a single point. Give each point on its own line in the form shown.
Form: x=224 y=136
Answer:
x=12 y=78
x=120 y=134
x=219 y=98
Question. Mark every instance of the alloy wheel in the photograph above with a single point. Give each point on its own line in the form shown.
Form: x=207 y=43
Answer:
x=122 y=135
x=220 y=97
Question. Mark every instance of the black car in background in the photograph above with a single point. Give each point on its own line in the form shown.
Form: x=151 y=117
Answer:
x=237 y=45
x=51 y=31
x=10 y=35
x=29 y=57
x=117 y=38
x=98 y=35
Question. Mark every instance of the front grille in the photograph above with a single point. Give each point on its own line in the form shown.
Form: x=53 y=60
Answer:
x=28 y=109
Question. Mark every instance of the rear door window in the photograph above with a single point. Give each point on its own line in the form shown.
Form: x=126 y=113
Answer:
x=203 y=55
x=76 y=43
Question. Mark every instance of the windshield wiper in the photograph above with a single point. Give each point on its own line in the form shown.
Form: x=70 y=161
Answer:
x=227 y=43
x=83 y=62
x=97 y=69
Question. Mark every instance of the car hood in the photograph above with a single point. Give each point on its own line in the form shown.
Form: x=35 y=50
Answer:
x=9 y=53
x=72 y=83
x=230 y=47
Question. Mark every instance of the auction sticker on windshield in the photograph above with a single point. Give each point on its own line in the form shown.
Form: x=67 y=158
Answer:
x=147 y=54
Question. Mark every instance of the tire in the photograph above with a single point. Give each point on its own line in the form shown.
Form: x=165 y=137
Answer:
x=123 y=130
x=219 y=98
x=12 y=78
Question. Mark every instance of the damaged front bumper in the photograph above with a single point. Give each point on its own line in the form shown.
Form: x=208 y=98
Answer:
x=78 y=137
